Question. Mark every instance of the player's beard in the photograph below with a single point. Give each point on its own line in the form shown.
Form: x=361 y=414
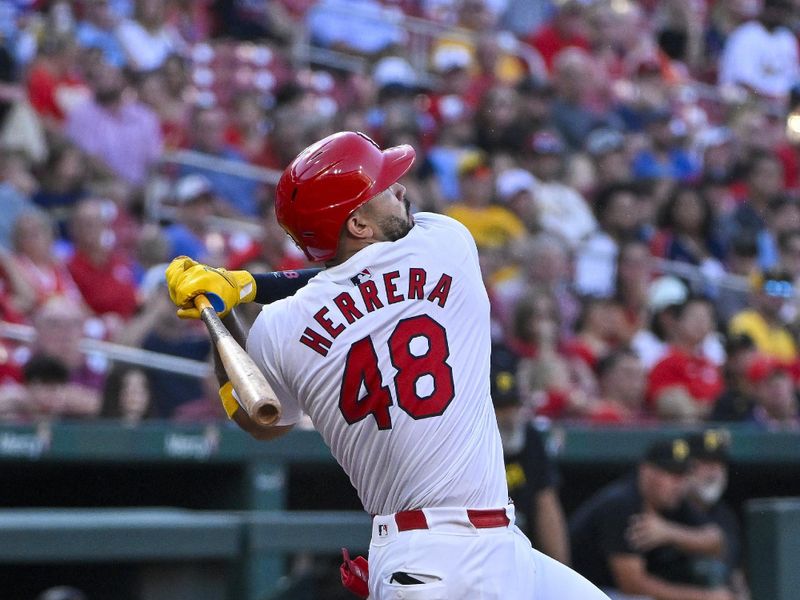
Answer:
x=394 y=228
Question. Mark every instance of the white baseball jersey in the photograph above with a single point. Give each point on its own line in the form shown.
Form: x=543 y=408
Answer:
x=388 y=353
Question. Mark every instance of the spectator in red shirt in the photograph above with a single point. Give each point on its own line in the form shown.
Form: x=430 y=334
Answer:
x=54 y=84
x=567 y=29
x=683 y=385
x=103 y=275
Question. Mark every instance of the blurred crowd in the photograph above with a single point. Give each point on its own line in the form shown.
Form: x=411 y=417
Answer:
x=629 y=170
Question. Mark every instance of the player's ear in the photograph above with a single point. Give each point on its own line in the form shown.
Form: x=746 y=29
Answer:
x=359 y=225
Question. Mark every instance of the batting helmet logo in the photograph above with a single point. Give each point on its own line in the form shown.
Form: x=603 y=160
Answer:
x=328 y=181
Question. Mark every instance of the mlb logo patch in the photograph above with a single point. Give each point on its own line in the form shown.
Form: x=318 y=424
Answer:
x=361 y=277
x=383 y=530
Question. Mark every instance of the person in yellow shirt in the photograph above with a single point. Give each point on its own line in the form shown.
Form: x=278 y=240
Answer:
x=494 y=227
x=763 y=322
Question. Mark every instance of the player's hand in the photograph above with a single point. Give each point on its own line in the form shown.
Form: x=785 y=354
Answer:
x=224 y=289
x=647 y=531
x=175 y=271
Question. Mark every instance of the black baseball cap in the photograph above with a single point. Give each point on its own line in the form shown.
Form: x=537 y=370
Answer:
x=710 y=444
x=504 y=388
x=672 y=455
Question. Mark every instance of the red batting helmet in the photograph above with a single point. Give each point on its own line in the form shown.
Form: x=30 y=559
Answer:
x=328 y=181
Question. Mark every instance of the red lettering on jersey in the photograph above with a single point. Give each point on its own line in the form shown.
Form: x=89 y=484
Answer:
x=345 y=303
x=370 y=295
x=327 y=324
x=316 y=341
x=391 y=287
x=441 y=290
x=416 y=283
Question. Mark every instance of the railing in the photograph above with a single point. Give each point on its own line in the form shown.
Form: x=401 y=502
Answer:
x=117 y=352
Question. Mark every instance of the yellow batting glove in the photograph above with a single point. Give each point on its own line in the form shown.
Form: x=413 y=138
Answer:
x=229 y=403
x=224 y=289
x=175 y=271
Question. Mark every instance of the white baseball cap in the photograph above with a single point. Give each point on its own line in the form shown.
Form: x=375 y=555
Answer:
x=513 y=181
x=449 y=57
x=394 y=70
x=666 y=291
x=189 y=187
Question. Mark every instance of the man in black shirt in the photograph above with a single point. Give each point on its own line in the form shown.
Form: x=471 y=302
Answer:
x=530 y=473
x=707 y=483
x=638 y=535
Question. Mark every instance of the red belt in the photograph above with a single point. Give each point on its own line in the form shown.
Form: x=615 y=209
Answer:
x=480 y=518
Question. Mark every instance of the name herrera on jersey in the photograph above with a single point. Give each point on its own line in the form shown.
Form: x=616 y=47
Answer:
x=371 y=298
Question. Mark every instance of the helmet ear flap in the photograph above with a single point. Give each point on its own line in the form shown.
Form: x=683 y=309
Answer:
x=329 y=180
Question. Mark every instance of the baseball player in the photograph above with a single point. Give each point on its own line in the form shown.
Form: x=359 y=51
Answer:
x=387 y=350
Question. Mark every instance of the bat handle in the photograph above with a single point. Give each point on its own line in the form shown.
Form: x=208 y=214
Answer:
x=201 y=302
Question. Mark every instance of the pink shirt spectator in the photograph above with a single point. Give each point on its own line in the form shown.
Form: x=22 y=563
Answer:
x=127 y=139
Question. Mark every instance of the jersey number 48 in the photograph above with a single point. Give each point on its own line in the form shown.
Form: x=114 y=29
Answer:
x=362 y=368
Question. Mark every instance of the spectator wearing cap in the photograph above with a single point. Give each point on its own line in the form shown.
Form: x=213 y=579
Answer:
x=684 y=384
x=717 y=151
x=617 y=210
x=563 y=211
x=736 y=402
x=622 y=382
x=775 y=398
x=763 y=322
x=530 y=472
x=516 y=189
x=636 y=536
x=240 y=194
x=708 y=480
x=193 y=199
x=606 y=150
x=666 y=157
x=493 y=226
x=121 y=135
x=761 y=55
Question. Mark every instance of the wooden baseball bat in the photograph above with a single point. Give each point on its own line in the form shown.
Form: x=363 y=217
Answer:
x=253 y=391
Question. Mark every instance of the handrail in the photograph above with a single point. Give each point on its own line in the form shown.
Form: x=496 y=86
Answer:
x=118 y=352
x=200 y=160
